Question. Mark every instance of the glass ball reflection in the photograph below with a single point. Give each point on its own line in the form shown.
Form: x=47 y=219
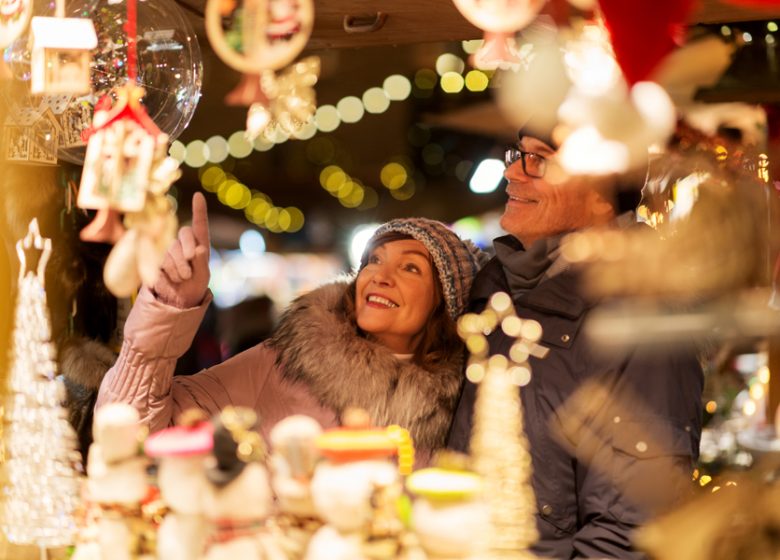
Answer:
x=169 y=67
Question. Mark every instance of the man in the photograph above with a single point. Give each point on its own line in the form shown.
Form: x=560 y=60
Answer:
x=612 y=437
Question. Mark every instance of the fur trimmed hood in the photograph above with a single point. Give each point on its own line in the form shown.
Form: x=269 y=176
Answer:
x=318 y=347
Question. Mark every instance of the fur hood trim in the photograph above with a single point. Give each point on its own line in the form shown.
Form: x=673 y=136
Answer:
x=84 y=361
x=318 y=347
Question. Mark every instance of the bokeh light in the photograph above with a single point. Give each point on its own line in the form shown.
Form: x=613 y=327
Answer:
x=327 y=118
x=397 y=87
x=393 y=175
x=452 y=82
x=449 y=62
x=376 y=100
x=238 y=145
x=350 y=109
x=218 y=149
x=476 y=80
x=197 y=153
x=425 y=79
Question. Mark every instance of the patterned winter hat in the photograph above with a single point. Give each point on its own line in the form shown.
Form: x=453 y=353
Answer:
x=456 y=261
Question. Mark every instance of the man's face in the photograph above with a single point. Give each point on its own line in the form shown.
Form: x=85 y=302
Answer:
x=537 y=209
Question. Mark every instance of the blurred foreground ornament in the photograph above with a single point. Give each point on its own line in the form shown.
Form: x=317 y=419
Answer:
x=498 y=443
x=500 y=19
x=290 y=100
x=61 y=53
x=643 y=34
x=739 y=520
x=41 y=482
x=127 y=171
x=262 y=37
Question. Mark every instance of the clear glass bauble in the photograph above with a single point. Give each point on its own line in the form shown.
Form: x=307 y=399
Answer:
x=170 y=68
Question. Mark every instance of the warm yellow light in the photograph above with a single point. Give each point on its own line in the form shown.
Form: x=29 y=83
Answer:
x=285 y=220
x=376 y=101
x=306 y=131
x=393 y=175
x=212 y=177
x=236 y=194
x=705 y=480
x=336 y=182
x=257 y=210
x=757 y=391
x=178 y=151
x=354 y=198
x=224 y=188
x=749 y=409
x=345 y=189
x=449 y=62
x=711 y=407
x=262 y=144
x=771 y=26
x=452 y=82
x=472 y=46
x=327 y=118
x=296 y=219
x=218 y=149
x=350 y=109
x=272 y=219
x=476 y=80
x=763 y=374
x=327 y=172
x=197 y=154
x=397 y=87
x=238 y=145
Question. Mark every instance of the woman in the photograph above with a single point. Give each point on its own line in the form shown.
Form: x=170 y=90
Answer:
x=384 y=341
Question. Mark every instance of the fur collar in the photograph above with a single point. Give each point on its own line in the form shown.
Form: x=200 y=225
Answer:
x=84 y=361
x=318 y=347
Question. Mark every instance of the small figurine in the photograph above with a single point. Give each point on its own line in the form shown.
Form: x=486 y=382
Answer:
x=182 y=451
x=292 y=465
x=240 y=500
x=116 y=468
x=356 y=492
x=448 y=516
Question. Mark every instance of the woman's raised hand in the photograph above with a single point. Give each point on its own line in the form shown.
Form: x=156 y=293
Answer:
x=184 y=276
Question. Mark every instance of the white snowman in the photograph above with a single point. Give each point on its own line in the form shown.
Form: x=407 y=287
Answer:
x=181 y=452
x=355 y=491
x=292 y=463
x=448 y=515
x=117 y=482
x=239 y=501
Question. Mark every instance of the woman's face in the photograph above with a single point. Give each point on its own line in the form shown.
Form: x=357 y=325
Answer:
x=395 y=294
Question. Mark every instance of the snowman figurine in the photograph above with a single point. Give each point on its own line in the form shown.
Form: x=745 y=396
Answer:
x=356 y=492
x=240 y=499
x=117 y=482
x=292 y=465
x=448 y=516
x=181 y=452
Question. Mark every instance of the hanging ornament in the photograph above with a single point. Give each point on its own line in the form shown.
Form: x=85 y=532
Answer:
x=263 y=36
x=61 y=53
x=31 y=135
x=643 y=33
x=500 y=19
x=127 y=171
x=41 y=481
x=290 y=101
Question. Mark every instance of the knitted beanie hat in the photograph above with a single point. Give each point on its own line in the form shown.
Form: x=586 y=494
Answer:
x=456 y=261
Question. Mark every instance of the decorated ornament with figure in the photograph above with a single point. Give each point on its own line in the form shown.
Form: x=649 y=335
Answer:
x=116 y=470
x=292 y=463
x=181 y=452
x=239 y=501
x=356 y=491
x=61 y=53
x=261 y=37
x=498 y=444
x=41 y=489
x=449 y=515
x=127 y=171
x=500 y=20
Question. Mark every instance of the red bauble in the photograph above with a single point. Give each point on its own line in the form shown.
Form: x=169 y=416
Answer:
x=644 y=31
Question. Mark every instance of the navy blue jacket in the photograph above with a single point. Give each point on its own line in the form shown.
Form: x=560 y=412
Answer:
x=613 y=438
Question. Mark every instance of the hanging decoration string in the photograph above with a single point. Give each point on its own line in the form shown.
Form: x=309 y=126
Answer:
x=130 y=28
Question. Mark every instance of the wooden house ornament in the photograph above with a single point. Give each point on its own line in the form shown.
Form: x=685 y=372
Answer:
x=123 y=146
x=61 y=54
x=32 y=136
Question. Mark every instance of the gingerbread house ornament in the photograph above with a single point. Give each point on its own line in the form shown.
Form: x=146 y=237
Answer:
x=31 y=135
x=61 y=54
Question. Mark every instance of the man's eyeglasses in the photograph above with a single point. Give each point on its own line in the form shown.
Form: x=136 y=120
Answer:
x=534 y=165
